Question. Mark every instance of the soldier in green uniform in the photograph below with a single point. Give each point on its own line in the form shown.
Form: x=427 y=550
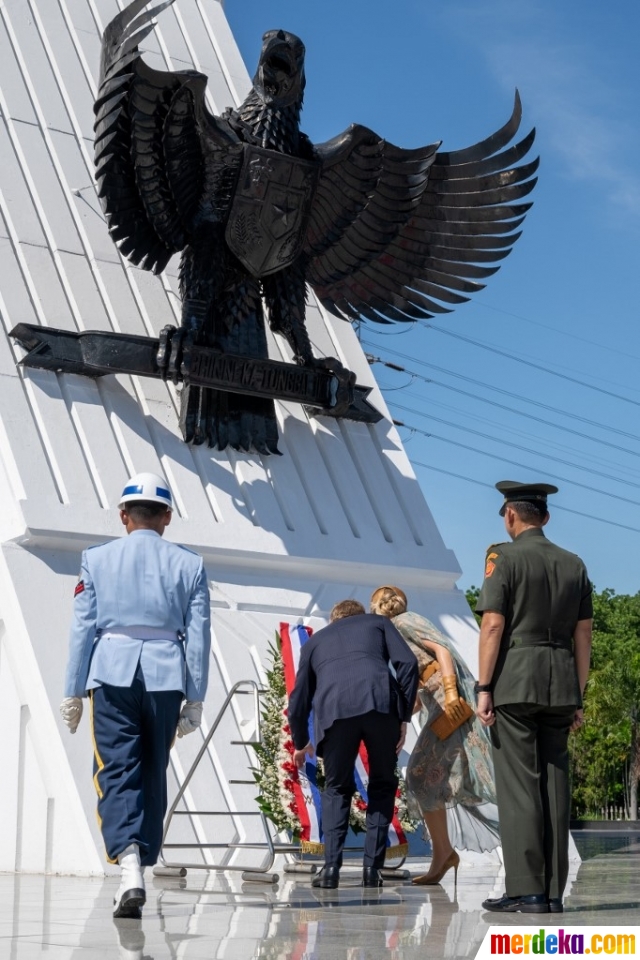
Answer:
x=535 y=645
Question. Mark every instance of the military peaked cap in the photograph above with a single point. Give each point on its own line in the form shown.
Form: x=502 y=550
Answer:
x=532 y=492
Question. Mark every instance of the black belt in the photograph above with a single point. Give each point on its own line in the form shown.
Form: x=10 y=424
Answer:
x=556 y=643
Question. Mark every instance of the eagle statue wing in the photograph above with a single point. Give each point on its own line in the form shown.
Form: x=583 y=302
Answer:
x=148 y=149
x=401 y=234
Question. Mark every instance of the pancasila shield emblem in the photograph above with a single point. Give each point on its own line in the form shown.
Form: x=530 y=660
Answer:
x=268 y=216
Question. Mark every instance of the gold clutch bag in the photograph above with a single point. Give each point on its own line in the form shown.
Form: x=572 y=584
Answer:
x=443 y=727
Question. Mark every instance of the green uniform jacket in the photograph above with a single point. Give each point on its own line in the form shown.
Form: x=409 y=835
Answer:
x=542 y=591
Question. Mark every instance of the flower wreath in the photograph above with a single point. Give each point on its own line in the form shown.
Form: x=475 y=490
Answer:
x=277 y=775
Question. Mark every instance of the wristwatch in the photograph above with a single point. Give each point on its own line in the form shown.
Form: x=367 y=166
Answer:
x=481 y=688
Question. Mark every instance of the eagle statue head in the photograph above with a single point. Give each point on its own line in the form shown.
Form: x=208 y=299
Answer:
x=279 y=79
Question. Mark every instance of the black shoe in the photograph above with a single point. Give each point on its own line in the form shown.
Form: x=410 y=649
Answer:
x=371 y=877
x=555 y=905
x=533 y=903
x=130 y=904
x=328 y=878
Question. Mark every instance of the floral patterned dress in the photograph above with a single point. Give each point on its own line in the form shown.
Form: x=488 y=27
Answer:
x=456 y=772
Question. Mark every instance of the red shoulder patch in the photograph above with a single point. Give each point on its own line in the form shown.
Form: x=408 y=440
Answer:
x=490 y=565
x=79 y=588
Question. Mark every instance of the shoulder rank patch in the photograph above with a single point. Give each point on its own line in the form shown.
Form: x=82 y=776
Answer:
x=79 y=588
x=490 y=565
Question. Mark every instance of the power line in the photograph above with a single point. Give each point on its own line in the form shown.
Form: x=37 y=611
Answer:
x=508 y=393
x=531 y=363
x=481 y=483
x=500 y=406
x=513 y=463
x=517 y=446
x=534 y=442
x=562 y=333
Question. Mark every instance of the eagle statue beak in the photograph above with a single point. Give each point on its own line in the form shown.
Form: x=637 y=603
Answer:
x=280 y=74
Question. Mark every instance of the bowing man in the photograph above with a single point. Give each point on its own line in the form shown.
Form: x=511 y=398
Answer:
x=344 y=673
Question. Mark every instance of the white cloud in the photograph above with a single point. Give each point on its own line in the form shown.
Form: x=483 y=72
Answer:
x=568 y=83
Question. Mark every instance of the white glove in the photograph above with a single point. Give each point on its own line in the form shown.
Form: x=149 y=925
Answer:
x=190 y=717
x=71 y=711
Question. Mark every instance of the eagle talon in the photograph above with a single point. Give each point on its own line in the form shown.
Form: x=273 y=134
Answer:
x=346 y=377
x=322 y=363
x=164 y=348
x=174 y=353
x=174 y=365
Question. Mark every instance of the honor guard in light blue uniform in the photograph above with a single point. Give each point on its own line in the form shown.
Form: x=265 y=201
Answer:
x=139 y=647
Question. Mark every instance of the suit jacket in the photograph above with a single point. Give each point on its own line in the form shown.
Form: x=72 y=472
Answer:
x=140 y=600
x=344 y=672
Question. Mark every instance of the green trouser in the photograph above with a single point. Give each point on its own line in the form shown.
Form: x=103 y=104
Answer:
x=531 y=760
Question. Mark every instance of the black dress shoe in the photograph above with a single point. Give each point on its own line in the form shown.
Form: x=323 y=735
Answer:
x=532 y=903
x=371 y=877
x=328 y=878
x=556 y=905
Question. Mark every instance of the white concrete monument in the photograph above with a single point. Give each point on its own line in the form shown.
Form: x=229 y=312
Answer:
x=283 y=537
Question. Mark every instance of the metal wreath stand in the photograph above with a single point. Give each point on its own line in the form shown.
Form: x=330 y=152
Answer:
x=295 y=862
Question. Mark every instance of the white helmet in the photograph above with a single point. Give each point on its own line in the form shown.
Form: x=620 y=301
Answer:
x=149 y=487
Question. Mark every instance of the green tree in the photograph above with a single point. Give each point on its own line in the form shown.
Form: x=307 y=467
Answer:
x=606 y=752
x=472 y=595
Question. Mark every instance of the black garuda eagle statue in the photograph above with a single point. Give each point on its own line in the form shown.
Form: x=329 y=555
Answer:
x=258 y=212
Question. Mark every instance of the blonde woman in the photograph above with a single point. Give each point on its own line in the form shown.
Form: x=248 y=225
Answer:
x=448 y=781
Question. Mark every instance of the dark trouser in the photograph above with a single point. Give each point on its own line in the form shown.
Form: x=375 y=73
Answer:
x=531 y=760
x=380 y=733
x=132 y=734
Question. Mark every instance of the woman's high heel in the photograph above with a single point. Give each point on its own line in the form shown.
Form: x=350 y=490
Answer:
x=427 y=879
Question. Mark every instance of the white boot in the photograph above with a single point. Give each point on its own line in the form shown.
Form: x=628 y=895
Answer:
x=131 y=894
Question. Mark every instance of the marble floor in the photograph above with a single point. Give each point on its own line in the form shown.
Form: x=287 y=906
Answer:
x=219 y=916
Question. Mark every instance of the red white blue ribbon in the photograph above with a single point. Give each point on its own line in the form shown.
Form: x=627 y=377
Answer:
x=307 y=795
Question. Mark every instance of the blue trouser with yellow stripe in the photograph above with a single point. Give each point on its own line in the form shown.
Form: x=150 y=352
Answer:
x=132 y=734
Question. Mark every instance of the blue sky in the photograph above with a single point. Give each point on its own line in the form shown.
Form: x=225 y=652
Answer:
x=565 y=300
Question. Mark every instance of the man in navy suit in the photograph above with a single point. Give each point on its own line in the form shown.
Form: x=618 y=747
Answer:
x=344 y=674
